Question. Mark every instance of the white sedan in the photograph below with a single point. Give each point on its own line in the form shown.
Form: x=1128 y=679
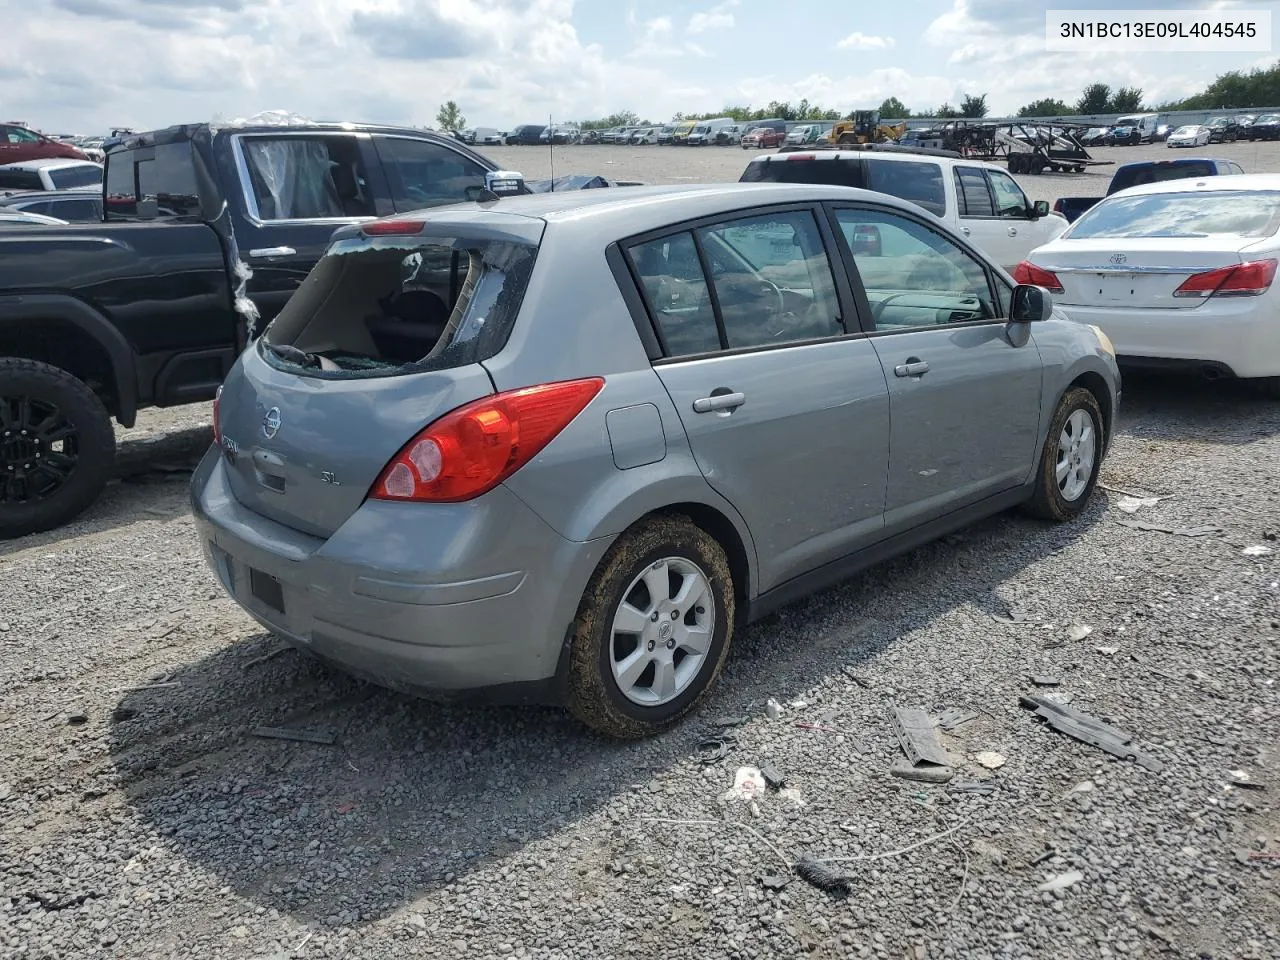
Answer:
x=1178 y=274
x=1192 y=135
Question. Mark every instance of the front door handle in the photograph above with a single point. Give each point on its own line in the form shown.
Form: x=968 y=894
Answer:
x=914 y=367
x=965 y=231
x=265 y=253
x=1013 y=231
x=720 y=401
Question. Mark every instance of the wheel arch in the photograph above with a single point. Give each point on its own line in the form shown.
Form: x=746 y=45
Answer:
x=1094 y=382
x=95 y=346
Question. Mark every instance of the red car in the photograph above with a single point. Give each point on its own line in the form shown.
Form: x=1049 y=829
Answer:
x=763 y=138
x=18 y=144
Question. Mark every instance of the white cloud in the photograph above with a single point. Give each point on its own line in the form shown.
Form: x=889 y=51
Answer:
x=717 y=18
x=862 y=41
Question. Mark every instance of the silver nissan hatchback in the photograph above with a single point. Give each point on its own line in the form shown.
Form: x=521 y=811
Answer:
x=561 y=448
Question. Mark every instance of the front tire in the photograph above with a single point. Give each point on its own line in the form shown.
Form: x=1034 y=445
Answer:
x=1071 y=459
x=57 y=447
x=653 y=629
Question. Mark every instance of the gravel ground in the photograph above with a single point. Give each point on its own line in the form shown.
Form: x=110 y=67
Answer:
x=139 y=818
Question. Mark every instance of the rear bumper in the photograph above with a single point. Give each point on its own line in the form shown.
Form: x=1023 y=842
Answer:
x=475 y=598
x=1240 y=337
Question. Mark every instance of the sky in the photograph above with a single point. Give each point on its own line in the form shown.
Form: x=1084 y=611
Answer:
x=84 y=66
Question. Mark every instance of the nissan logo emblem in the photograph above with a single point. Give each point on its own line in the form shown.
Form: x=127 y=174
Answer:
x=271 y=423
x=1118 y=258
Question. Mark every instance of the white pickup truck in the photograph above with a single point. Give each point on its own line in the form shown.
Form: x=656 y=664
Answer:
x=980 y=200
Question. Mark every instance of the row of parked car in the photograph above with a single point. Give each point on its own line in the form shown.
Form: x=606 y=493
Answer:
x=694 y=133
x=1147 y=128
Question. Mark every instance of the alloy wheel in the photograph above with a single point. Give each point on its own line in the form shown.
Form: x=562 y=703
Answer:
x=1077 y=452
x=39 y=449
x=662 y=632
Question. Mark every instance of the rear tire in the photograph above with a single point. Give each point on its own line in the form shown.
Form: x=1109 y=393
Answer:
x=57 y=447
x=1071 y=459
x=617 y=675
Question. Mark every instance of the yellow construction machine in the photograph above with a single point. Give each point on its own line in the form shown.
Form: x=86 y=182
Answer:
x=865 y=127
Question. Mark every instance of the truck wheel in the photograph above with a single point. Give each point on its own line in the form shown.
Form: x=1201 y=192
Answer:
x=57 y=447
x=653 y=629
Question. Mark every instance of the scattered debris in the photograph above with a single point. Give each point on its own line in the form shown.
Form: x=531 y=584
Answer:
x=53 y=904
x=270 y=655
x=1044 y=680
x=1013 y=614
x=1084 y=786
x=1049 y=854
x=1256 y=551
x=918 y=735
x=1108 y=651
x=798 y=704
x=772 y=776
x=1128 y=493
x=77 y=719
x=990 y=759
x=988 y=851
x=774 y=881
x=748 y=783
x=1062 y=881
x=972 y=786
x=773 y=709
x=302 y=736
x=1206 y=530
x=725 y=723
x=866 y=857
x=1269 y=857
x=714 y=749
x=1241 y=778
x=922 y=772
x=954 y=717
x=792 y=795
x=1157 y=934
x=1131 y=504
x=860 y=681
x=823 y=877
x=1085 y=728
x=1078 y=631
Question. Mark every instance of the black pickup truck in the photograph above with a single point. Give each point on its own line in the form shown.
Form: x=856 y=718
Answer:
x=207 y=231
x=1147 y=171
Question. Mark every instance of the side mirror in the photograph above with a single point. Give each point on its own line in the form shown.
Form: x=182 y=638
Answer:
x=504 y=182
x=1040 y=209
x=1030 y=304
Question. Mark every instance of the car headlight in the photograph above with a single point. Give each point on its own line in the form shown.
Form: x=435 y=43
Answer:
x=1103 y=340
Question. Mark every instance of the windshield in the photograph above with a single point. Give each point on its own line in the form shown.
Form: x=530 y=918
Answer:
x=1237 y=213
x=65 y=177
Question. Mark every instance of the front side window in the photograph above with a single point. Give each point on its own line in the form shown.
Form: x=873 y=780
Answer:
x=307 y=178
x=1010 y=200
x=914 y=277
x=423 y=174
x=973 y=194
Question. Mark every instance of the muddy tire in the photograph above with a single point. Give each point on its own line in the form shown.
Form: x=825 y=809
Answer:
x=1071 y=459
x=57 y=447
x=653 y=629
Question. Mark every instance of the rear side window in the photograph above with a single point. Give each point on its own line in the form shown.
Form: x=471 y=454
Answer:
x=64 y=178
x=307 y=178
x=830 y=172
x=676 y=291
x=164 y=174
x=972 y=193
x=388 y=305
x=425 y=174
x=20 y=180
x=917 y=181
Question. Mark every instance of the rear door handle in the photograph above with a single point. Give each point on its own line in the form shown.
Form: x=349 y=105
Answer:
x=912 y=368
x=263 y=253
x=965 y=231
x=720 y=401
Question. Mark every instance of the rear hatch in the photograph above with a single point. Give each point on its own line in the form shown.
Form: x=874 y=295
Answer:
x=387 y=333
x=1155 y=250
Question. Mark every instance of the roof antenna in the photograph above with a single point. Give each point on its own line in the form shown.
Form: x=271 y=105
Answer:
x=551 y=142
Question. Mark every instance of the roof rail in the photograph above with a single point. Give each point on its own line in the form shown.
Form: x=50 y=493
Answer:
x=876 y=147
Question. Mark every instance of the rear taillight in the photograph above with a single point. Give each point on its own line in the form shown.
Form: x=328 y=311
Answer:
x=1242 y=280
x=393 y=228
x=1057 y=205
x=472 y=449
x=217 y=422
x=1028 y=272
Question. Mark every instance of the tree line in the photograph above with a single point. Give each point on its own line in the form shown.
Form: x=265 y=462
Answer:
x=1235 y=89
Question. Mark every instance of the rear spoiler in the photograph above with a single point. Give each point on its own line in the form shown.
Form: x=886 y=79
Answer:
x=879 y=147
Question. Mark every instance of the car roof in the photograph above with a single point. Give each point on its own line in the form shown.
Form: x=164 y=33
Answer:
x=46 y=162
x=624 y=211
x=1235 y=181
